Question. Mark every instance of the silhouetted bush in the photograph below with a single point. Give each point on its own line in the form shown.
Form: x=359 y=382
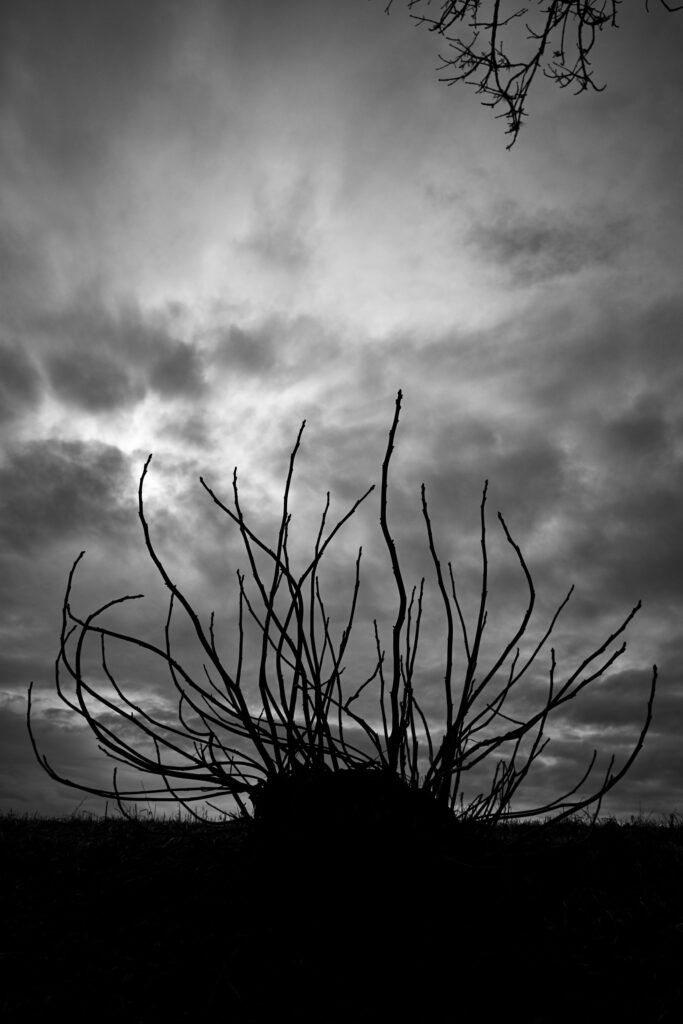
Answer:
x=293 y=761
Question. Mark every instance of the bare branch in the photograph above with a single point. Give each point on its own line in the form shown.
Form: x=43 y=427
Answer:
x=484 y=52
x=220 y=746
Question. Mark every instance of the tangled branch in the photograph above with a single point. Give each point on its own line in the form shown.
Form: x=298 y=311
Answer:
x=558 y=42
x=220 y=746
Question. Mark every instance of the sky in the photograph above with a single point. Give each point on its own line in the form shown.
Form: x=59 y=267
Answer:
x=218 y=220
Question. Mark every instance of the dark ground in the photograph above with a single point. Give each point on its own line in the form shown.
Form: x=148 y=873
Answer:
x=166 y=921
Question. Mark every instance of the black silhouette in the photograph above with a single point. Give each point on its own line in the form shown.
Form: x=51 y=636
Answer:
x=559 y=39
x=295 y=754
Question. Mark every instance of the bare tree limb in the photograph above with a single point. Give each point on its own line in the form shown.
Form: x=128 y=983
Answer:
x=221 y=747
x=484 y=51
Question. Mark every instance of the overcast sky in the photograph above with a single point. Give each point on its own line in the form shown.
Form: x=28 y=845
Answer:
x=218 y=219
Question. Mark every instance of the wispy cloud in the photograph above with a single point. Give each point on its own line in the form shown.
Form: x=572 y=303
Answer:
x=537 y=246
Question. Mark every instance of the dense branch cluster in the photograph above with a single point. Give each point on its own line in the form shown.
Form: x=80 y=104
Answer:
x=558 y=40
x=221 y=746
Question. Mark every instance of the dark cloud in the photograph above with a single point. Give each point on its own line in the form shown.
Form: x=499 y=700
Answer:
x=19 y=667
x=17 y=760
x=52 y=490
x=622 y=354
x=527 y=473
x=105 y=361
x=548 y=244
x=247 y=350
x=177 y=371
x=617 y=701
x=632 y=541
x=93 y=381
x=70 y=749
x=624 y=456
x=587 y=455
x=283 y=350
x=640 y=436
x=20 y=386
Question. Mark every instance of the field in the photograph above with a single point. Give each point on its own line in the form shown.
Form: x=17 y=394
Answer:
x=169 y=920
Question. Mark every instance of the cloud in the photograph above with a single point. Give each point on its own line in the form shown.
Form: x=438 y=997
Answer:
x=18 y=667
x=191 y=428
x=247 y=350
x=527 y=473
x=284 y=352
x=69 y=748
x=53 y=490
x=618 y=425
x=92 y=381
x=20 y=385
x=605 y=355
x=281 y=233
x=539 y=246
x=17 y=760
x=101 y=360
x=177 y=370
x=617 y=701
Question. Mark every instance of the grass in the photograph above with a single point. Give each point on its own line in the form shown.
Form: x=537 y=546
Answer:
x=169 y=919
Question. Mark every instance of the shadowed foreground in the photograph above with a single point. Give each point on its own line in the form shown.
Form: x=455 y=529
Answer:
x=118 y=920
